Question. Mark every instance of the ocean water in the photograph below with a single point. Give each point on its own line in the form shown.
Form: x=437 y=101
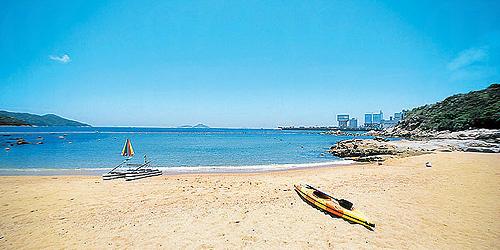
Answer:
x=171 y=149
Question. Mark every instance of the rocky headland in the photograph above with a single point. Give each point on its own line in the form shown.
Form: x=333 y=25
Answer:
x=379 y=148
x=464 y=122
x=25 y=119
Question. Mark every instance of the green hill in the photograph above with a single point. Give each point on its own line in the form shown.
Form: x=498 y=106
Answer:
x=477 y=109
x=20 y=119
x=10 y=121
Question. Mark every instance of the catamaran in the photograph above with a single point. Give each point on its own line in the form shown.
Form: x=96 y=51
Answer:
x=134 y=171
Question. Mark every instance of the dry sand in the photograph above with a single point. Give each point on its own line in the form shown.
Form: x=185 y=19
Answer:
x=454 y=204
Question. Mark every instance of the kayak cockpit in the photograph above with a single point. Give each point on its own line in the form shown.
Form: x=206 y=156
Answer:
x=321 y=195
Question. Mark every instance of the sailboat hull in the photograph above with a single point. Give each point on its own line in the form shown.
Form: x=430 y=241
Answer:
x=112 y=176
x=142 y=174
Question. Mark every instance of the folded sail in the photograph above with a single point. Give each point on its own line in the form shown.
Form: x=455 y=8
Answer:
x=127 y=149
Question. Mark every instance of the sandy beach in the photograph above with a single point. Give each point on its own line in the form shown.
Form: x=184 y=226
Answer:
x=454 y=204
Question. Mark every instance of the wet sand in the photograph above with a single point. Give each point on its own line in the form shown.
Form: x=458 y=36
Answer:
x=454 y=204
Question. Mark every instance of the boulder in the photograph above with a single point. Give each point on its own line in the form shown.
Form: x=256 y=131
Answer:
x=362 y=148
x=482 y=149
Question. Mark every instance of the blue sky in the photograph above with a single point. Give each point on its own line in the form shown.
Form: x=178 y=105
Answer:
x=241 y=63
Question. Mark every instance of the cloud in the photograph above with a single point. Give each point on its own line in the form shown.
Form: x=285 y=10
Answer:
x=467 y=58
x=62 y=59
x=472 y=65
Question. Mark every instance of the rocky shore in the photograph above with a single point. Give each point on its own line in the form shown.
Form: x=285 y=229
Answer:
x=418 y=142
x=488 y=135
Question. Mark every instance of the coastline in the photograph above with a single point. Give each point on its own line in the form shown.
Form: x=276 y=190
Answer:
x=412 y=206
x=179 y=170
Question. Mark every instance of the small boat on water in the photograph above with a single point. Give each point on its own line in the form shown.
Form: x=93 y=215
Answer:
x=134 y=171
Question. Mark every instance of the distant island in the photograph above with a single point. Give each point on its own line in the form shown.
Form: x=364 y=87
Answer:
x=195 y=126
x=26 y=119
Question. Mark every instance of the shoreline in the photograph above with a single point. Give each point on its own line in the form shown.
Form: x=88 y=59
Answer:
x=268 y=168
x=413 y=207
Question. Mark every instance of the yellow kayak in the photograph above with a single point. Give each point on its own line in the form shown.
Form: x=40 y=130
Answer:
x=327 y=203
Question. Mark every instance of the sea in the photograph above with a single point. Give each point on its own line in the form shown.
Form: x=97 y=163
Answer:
x=95 y=150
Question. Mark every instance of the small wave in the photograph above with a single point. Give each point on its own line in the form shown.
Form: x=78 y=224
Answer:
x=250 y=168
x=175 y=170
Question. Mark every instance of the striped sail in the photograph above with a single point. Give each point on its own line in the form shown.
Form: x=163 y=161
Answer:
x=127 y=149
